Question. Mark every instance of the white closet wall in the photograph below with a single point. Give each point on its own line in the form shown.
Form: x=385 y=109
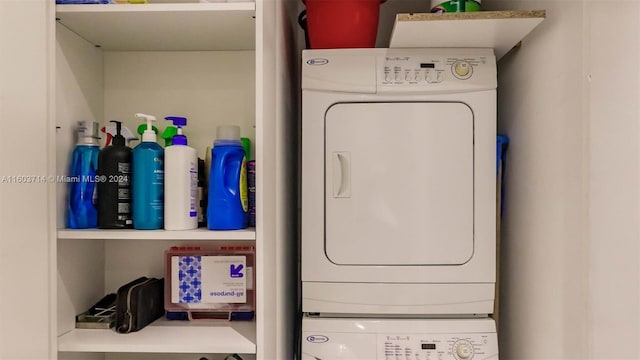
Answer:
x=25 y=220
x=570 y=254
x=612 y=47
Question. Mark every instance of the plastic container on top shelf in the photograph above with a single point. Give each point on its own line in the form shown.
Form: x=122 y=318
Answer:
x=228 y=204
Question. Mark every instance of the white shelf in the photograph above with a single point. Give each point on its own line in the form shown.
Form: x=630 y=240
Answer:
x=197 y=234
x=500 y=30
x=163 y=336
x=163 y=27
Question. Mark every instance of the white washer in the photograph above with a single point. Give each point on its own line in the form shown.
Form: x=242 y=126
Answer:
x=398 y=181
x=406 y=339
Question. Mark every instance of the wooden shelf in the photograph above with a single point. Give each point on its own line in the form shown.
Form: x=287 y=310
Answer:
x=197 y=234
x=500 y=30
x=163 y=336
x=163 y=27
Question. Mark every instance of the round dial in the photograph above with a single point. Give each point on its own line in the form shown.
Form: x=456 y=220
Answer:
x=462 y=69
x=463 y=350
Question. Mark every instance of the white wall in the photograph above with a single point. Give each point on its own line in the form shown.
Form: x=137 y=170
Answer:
x=612 y=46
x=570 y=255
x=25 y=244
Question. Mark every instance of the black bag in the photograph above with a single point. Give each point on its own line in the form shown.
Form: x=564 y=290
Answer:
x=139 y=303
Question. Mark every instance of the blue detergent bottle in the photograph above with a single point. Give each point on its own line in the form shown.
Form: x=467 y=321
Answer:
x=81 y=205
x=228 y=196
x=148 y=180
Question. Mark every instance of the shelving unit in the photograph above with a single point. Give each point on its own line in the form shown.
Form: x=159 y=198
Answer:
x=500 y=30
x=198 y=234
x=163 y=27
x=165 y=58
x=164 y=336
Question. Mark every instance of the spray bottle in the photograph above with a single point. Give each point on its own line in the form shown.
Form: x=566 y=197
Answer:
x=180 y=182
x=81 y=205
x=228 y=198
x=114 y=184
x=148 y=179
x=110 y=130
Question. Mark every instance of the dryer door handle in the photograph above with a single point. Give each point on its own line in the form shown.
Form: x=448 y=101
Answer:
x=341 y=162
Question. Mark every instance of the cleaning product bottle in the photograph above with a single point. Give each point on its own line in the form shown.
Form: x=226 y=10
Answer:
x=114 y=184
x=110 y=130
x=148 y=179
x=180 y=181
x=81 y=205
x=228 y=199
x=251 y=186
x=201 y=199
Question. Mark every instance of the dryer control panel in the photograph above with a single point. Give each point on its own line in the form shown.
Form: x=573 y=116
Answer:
x=435 y=72
x=377 y=70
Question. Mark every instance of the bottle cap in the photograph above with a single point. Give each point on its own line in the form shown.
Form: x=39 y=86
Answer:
x=246 y=144
x=148 y=135
x=88 y=132
x=118 y=139
x=111 y=131
x=179 y=122
x=227 y=135
x=142 y=127
x=168 y=134
x=228 y=132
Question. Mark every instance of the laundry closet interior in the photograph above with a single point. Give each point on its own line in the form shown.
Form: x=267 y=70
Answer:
x=565 y=101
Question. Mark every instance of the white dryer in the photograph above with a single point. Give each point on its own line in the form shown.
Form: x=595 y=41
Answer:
x=398 y=181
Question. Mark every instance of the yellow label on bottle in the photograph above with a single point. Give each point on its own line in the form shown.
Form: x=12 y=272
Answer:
x=244 y=192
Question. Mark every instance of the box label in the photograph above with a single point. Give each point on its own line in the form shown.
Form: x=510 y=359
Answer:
x=209 y=279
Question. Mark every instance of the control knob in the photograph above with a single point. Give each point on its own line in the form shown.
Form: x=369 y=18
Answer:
x=463 y=350
x=462 y=69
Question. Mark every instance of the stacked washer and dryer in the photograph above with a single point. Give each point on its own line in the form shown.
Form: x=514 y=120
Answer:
x=398 y=204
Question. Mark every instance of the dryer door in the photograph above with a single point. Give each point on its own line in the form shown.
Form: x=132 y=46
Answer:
x=399 y=183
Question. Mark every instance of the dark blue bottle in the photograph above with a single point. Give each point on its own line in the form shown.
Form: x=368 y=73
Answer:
x=81 y=205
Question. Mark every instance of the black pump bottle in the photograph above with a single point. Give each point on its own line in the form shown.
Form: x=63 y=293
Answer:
x=114 y=184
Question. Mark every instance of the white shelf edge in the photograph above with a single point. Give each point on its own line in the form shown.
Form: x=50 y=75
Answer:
x=130 y=234
x=128 y=8
x=163 y=27
x=500 y=30
x=165 y=336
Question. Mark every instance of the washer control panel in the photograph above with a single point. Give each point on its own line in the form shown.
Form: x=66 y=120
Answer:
x=407 y=73
x=437 y=346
